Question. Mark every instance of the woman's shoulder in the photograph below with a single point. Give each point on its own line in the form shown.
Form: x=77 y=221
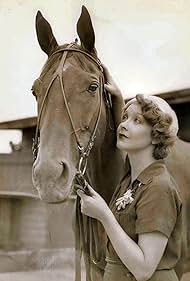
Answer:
x=159 y=204
x=157 y=175
x=164 y=185
x=165 y=181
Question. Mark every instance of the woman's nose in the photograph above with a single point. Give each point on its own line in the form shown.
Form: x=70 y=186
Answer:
x=125 y=125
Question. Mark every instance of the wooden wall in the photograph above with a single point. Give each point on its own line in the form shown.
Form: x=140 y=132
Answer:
x=183 y=113
x=29 y=228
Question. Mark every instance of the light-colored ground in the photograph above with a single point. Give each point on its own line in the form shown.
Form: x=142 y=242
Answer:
x=48 y=276
x=58 y=275
x=54 y=265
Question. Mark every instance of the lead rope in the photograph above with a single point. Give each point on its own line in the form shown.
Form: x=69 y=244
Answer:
x=79 y=231
x=78 y=245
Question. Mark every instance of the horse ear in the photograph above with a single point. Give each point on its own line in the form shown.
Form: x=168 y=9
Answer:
x=45 y=35
x=85 y=30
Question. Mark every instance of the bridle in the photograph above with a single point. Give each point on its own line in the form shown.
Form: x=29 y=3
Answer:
x=83 y=151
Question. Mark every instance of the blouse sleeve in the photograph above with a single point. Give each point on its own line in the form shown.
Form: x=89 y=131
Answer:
x=157 y=209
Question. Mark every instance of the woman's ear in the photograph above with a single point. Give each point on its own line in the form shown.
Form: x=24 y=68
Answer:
x=154 y=141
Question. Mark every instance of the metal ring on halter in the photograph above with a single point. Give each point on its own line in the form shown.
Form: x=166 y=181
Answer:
x=82 y=167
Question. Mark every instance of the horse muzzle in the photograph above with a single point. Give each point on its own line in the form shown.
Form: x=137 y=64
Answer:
x=53 y=183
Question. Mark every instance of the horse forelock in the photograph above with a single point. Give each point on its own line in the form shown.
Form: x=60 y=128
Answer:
x=53 y=61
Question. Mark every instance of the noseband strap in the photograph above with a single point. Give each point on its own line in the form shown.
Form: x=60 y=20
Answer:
x=83 y=151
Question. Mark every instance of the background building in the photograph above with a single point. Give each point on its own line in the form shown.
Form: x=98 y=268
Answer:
x=33 y=234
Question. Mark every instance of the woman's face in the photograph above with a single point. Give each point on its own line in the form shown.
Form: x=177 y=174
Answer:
x=134 y=132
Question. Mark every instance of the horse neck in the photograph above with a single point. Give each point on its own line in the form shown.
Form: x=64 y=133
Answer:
x=105 y=165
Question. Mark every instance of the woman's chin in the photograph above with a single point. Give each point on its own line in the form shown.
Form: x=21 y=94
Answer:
x=121 y=145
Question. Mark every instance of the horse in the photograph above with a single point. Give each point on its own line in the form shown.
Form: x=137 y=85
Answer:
x=76 y=134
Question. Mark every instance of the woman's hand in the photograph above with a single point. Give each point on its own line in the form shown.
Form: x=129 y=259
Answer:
x=110 y=85
x=94 y=205
x=116 y=97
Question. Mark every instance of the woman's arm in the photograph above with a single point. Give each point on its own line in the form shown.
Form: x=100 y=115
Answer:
x=141 y=259
x=117 y=99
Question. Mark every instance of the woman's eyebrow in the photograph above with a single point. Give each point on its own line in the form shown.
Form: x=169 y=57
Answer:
x=132 y=112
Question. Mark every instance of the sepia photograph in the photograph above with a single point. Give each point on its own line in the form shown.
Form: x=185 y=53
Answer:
x=95 y=140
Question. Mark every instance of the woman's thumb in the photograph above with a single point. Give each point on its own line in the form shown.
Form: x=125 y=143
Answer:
x=91 y=190
x=80 y=193
x=108 y=88
x=107 y=73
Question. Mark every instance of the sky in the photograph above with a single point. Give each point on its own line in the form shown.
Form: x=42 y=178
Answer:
x=145 y=44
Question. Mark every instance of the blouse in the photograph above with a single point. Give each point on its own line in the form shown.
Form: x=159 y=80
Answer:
x=156 y=207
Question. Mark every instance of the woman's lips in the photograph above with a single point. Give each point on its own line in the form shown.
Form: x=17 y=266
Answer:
x=122 y=136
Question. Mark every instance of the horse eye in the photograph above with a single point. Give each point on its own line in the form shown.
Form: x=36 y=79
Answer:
x=93 y=87
x=34 y=93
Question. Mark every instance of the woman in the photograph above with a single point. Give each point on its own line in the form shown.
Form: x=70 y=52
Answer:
x=143 y=221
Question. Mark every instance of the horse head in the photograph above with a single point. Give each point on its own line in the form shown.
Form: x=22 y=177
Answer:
x=69 y=93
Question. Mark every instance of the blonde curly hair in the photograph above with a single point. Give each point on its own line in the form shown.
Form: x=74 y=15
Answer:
x=158 y=113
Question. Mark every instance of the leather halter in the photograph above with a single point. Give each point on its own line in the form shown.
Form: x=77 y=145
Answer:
x=83 y=151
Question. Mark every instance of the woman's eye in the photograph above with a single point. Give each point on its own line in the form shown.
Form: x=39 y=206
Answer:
x=93 y=87
x=124 y=117
x=138 y=121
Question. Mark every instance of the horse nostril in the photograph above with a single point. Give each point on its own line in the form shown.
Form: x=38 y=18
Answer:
x=65 y=170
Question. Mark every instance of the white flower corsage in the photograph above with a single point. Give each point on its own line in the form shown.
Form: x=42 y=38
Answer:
x=122 y=201
x=126 y=199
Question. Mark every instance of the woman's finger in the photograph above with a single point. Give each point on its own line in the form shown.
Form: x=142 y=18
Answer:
x=108 y=87
x=91 y=190
x=80 y=193
x=107 y=74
